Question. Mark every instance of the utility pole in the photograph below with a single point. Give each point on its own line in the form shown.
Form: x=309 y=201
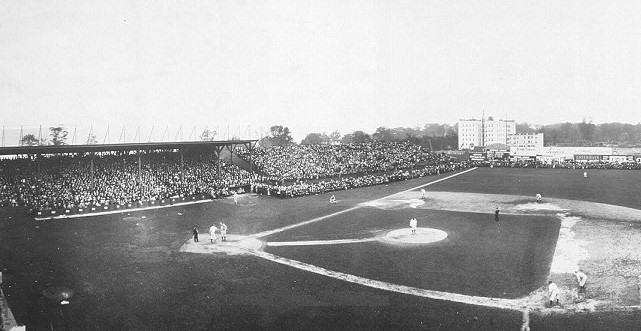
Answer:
x=483 y=129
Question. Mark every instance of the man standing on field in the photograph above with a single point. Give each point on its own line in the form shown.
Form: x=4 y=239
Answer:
x=223 y=231
x=554 y=292
x=413 y=224
x=212 y=234
x=195 y=232
x=581 y=278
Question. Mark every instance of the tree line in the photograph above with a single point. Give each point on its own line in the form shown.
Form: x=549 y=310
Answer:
x=433 y=136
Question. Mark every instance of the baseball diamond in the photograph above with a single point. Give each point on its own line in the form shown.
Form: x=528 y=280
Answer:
x=305 y=263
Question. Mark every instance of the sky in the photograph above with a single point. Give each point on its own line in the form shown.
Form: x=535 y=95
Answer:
x=314 y=66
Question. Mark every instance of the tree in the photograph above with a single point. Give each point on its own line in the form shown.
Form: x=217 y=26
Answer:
x=524 y=128
x=335 y=137
x=30 y=140
x=383 y=134
x=280 y=136
x=348 y=138
x=92 y=139
x=586 y=130
x=360 y=137
x=208 y=135
x=433 y=130
x=58 y=135
x=316 y=139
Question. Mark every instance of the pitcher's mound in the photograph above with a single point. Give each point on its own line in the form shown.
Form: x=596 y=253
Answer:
x=422 y=236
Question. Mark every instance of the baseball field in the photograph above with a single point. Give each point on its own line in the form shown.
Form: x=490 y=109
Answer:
x=305 y=263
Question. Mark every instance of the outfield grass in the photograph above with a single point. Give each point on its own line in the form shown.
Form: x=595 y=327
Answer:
x=128 y=274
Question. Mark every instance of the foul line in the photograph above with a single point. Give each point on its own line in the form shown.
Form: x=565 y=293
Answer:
x=120 y=211
x=428 y=184
x=437 y=295
x=289 y=227
x=318 y=242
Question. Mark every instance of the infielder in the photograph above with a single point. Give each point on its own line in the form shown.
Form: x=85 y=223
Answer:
x=554 y=292
x=212 y=234
x=223 y=231
x=422 y=193
x=581 y=278
x=538 y=197
x=413 y=223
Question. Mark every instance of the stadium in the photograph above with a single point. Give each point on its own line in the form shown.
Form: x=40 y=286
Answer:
x=320 y=165
x=293 y=260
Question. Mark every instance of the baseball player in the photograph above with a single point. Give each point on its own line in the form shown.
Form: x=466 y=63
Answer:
x=223 y=231
x=525 y=325
x=538 y=197
x=195 y=232
x=212 y=234
x=413 y=223
x=332 y=199
x=581 y=278
x=422 y=193
x=554 y=292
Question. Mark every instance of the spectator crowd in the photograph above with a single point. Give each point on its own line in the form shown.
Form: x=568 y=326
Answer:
x=62 y=181
x=299 y=162
x=66 y=181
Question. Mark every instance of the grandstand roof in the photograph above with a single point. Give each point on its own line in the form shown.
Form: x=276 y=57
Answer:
x=97 y=148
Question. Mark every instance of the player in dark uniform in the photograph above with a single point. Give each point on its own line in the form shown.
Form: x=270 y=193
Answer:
x=496 y=214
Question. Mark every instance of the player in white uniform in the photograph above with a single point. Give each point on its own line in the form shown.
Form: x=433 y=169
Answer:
x=332 y=199
x=525 y=325
x=422 y=193
x=554 y=292
x=581 y=278
x=235 y=197
x=413 y=223
x=538 y=197
x=585 y=174
x=223 y=231
x=212 y=234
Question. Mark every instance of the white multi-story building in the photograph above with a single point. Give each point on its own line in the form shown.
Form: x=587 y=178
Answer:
x=475 y=132
x=533 y=140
